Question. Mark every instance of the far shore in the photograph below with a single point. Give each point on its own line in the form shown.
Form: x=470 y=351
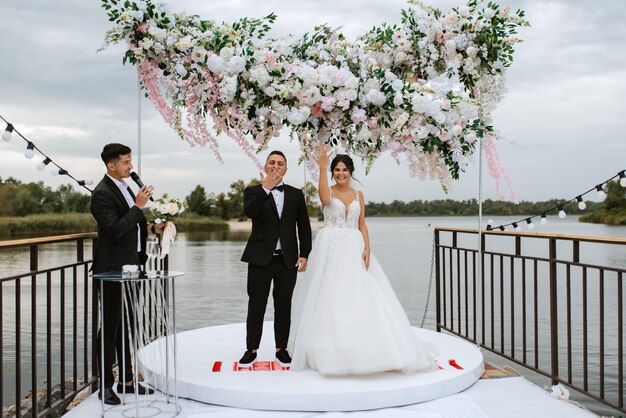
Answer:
x=246 y=226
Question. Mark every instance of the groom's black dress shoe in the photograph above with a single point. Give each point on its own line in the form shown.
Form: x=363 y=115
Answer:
x=283 y=357
x=141 y=390
x=110 y=398
x=248 y=359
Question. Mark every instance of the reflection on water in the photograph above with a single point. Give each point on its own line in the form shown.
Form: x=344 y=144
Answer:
x=213 y=289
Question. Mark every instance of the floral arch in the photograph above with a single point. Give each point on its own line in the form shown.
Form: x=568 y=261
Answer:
x=423 y=90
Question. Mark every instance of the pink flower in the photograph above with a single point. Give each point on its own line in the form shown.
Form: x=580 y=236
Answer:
x=445 y=104
x=358 y=115
x=470 y=137
x=444 y=135
x=142 y=28
x=328 y=103
x=270 y=58
x=373 y=122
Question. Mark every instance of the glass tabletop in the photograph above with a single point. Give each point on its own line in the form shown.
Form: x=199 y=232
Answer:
x=116 y=276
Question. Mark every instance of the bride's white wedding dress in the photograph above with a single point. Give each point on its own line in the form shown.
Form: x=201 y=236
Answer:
x=346 y=319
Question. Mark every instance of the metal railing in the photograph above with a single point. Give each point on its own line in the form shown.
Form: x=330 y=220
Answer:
x=47 y=306
x=551 y=303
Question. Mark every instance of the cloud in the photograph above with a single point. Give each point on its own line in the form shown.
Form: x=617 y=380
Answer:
x=564 y=108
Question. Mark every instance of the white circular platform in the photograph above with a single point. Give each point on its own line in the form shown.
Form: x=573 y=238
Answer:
x=207 y=372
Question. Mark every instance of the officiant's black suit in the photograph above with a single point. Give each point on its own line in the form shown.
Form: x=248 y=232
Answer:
x=264 y=266
x=117 y=246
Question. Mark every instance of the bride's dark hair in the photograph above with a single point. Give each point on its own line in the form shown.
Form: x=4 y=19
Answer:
x=343 y=158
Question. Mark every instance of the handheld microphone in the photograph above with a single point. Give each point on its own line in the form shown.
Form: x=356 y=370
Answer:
x=137 y=180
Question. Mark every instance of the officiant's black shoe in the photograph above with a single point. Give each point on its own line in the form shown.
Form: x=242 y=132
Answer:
x=110 y=398
x=248 y=359
x=283 y=357
x=141 y=390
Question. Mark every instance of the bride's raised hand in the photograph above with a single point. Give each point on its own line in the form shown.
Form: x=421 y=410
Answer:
x=366 y=258
x=323 y=154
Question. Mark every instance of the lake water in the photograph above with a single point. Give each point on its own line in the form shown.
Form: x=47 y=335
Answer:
x=213 y=289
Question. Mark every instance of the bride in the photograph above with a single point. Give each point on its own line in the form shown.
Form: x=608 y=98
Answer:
x=346 y=318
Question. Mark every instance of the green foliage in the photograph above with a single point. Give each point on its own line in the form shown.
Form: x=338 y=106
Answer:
x=47 y=223
x=22 y=199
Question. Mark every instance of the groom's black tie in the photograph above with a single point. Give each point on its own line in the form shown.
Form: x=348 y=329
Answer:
x=279 y=188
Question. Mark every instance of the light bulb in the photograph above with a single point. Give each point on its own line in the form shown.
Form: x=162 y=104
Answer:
x=622 y=182
x=544 y=220
x=582 y=205
x=490 y=222
x=29 y=153
x=529 y=223
x=601 y=194
x=562 y=214
x=42 y=165
x=6 y=135
x=89 y=182
x=54 y=171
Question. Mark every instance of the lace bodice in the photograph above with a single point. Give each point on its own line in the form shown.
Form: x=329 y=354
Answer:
x=338 y=215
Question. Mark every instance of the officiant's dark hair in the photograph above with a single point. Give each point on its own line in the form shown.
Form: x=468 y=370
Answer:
x=276 y=152
x=111 y=152
x=343 y=158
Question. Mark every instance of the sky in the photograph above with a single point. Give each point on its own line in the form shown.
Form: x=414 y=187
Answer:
x=562 y=119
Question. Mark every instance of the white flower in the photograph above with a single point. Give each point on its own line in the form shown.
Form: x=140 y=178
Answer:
x=397 y=85
x=376 y=97
x=181 y=70
x=298 y=116
x=146 y=44
x=227 y=52
x=215 y=63
x=451 y=47
x=398 y=99
x=464 y=11
x=198 y=54
x=472 y=51
x=139 y=15
x=184 y=43
x=260 y=75
x=157 y=221
x=456 y=130
x=228 y=88
x=560 y=392
x=328 y=103
x=489 y=13
x=270 y=91
x=262 y=111
x=402 y=119
x=470 y=137
x=237 y=64
x=172 y=208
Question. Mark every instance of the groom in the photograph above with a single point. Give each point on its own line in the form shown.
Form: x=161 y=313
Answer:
x=273 y=254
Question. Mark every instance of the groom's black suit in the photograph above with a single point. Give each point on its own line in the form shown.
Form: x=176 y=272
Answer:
x=264 y=266
x=117 y=246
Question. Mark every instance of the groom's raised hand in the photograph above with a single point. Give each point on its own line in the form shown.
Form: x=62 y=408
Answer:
x=270 y=180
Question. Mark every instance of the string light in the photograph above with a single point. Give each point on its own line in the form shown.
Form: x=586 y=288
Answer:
x=6 y=135
x=621 y=175
x=29 y=153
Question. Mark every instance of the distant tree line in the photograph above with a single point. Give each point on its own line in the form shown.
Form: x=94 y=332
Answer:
x=21 y=199
x=448 y=207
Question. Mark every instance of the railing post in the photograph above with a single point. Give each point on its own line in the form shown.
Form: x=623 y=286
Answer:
x=34 y=263
x=437 y=284
x=554 y=331
x=95 y=309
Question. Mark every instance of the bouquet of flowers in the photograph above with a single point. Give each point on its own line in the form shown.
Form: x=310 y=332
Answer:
x=165 y=209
